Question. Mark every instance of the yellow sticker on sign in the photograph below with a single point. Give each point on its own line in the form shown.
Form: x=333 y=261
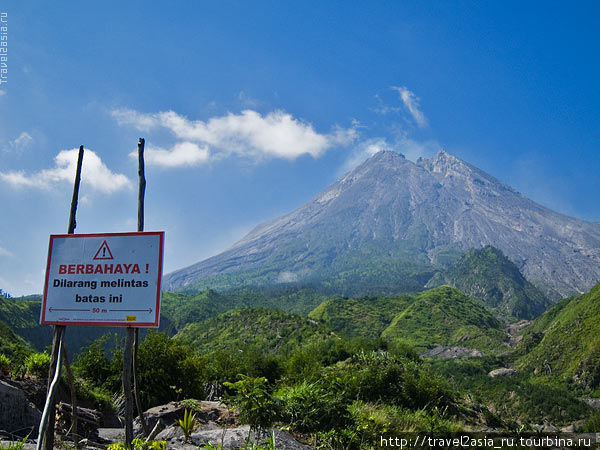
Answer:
x=131 y=318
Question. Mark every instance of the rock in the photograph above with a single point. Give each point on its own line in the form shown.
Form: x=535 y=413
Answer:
x=236 y=437
x=549 y=428
x=593 y=402
x=441 y=351
x=502 y=372
x=18 y=415
x=168 y=414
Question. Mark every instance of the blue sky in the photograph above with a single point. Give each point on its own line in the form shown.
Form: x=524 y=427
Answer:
x=251 y=108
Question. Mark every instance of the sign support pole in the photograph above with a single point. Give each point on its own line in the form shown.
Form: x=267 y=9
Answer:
x=140 y=227
x=131 y=343
x=46 y=432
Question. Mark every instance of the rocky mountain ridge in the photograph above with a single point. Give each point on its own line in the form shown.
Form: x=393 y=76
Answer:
x=391 y=220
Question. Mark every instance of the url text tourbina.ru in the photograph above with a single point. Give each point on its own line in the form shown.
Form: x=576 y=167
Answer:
x=410 y=441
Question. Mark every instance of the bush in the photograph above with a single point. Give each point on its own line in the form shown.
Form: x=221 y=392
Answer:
x=5 y=364
x=94 y=365
x=256 y=406
x=382 y=377
x=167 y=368
x=38 y=364
x=312 y=407
x=138 y=444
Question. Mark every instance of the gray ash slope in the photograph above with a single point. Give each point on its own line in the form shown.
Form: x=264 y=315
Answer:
x=388 y=225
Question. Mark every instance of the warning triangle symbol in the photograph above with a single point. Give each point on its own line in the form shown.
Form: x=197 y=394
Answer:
x=103 y=252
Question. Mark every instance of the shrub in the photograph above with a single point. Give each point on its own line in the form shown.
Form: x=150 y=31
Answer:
x=139 y=444
x=187 y=424
x=164 y=362
x=257 y=407
x=5 y=364
x=317 y=406
x=38 y=364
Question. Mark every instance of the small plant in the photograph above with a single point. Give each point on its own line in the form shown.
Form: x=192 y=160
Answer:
x=15 y=445
x=257 y=406
x=188 y=423
x=139 y=444
x=5 y=364
x=210 y=445
x=192 y=404
x=38 y=364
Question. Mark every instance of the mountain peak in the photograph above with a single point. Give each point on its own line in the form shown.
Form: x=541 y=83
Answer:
x=387 y=156
x=405 y=218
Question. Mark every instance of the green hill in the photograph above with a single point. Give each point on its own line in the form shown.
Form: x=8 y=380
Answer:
x=263 y=329
x=360 y=317
x=443 y=315
x=179 y=309
x=487 y=275
x=446 y=316
x=565 y=341
x=12 y=345
x=23 y=318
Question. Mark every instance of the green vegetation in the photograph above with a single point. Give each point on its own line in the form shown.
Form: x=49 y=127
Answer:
x=446 y=316
x=360 y=317
x=139 y=444
x=265 y=330
x=15 y=445
x=179 y=309
x=381 y=268
x=512 y=400
x=487 y=275
x=564 y=342
x=343 y=371
x=442 y=316
x=38 y=364
x=13 y=347
x=187 y=424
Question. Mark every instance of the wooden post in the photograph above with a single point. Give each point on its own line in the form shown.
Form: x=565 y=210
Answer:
x=127 y=355
x=142 y=185
x=140 y=227
x=131 y=341
x=71 y=379
x=59 y=330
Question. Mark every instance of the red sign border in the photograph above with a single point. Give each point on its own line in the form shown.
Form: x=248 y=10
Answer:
x=154 y=324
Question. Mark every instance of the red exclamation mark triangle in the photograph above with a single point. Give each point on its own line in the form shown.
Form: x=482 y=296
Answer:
x=103 y=252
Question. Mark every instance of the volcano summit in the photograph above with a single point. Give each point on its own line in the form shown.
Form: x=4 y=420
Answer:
x=390 y=224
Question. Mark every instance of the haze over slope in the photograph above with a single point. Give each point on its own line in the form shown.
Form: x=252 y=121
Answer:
x=389 y=222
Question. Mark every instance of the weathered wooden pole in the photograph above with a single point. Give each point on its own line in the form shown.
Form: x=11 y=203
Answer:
x=140 y=227
x=131 y=340
x=71 y=379
x=47 y=430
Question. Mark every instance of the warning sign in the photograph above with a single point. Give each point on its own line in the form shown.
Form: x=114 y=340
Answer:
x=103 y=252
x=103 y=279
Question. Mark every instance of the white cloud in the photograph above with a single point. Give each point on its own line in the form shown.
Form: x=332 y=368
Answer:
x=4 y=252
x=249 y=134
x=2 y=92
x=287 y=277
x=410 y=148
x=414 y=150
x=23 y=141
x=182 y=154
x=143 y=122
x=94 y=172
x=411 y=102
x=362 y=152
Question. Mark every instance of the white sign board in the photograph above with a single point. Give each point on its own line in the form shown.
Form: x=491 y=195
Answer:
x=110 y=279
